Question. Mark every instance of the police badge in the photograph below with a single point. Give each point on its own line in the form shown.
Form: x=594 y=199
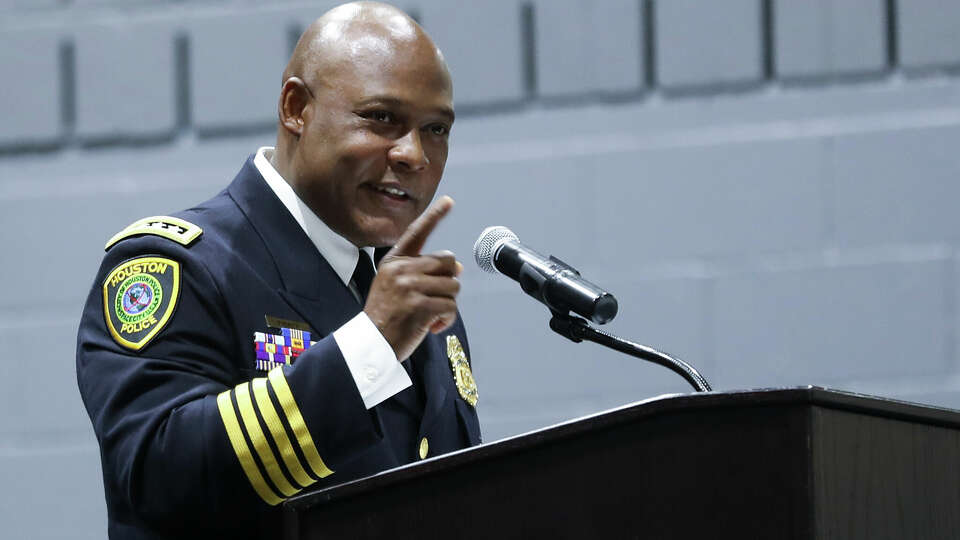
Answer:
x=139 y=297
x=461 y=371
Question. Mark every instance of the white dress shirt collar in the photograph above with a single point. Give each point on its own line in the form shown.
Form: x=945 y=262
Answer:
x=337 y=250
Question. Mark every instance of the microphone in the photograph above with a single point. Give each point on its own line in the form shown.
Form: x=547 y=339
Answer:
x=548 y=279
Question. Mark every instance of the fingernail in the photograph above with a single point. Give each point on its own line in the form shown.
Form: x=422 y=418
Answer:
x=459 y=268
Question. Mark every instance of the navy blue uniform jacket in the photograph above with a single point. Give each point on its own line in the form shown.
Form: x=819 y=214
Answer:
x=193 y=439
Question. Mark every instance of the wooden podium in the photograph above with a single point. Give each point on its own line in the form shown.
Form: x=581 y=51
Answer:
x=780 y=464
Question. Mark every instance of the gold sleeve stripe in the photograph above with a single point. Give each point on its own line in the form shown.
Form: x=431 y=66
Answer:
x=270 y=417
x=279 y=382
x=240 y=447
x=259 y=440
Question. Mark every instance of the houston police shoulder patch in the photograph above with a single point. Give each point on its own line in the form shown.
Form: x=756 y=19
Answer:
x=139 y=297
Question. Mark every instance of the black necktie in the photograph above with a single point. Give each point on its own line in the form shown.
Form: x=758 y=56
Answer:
x=362 y=279
x=363 y=275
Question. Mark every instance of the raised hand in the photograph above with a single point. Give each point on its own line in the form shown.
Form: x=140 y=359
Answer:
x=413 y=294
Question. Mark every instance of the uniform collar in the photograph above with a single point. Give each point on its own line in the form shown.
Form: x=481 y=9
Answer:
x=307 y=281
x=339 y=252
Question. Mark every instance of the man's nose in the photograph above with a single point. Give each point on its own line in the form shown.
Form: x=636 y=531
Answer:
x=408 y=152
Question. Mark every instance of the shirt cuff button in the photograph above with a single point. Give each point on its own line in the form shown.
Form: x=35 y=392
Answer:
x=371 y=373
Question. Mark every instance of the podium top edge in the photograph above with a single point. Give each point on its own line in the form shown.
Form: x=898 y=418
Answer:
x=816 y=396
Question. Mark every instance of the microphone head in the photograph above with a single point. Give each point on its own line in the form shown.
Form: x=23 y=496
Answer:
x=486 y=246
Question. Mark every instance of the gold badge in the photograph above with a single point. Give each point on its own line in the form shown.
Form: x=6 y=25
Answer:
x=461 y=371
x=139 y=297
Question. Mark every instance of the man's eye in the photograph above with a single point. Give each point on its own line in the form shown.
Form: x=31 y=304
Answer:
x=383 y=116
x=439 y=130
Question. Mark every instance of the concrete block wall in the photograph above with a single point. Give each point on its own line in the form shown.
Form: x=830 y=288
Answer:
x=119 y=67
x=568 y=37
x=767 y=186
x=707 y=43
x=822 y=37
x=31 y=104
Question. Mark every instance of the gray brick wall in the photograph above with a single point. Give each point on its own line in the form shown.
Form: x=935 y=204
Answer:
x=236 y=67
x=707 y=43
x=31 y=103
x=120 y=67
x=569 y=36
x=767 y=186
x=927 y=33
x=488 y=66
x=880 y=197
x=827 y=37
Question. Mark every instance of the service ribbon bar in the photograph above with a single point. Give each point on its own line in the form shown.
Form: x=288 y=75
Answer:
x=273 y=350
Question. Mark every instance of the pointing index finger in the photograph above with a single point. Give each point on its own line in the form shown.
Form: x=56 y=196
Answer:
x=417 y=233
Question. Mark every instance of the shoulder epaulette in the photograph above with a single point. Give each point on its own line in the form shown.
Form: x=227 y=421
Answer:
x=176 y=229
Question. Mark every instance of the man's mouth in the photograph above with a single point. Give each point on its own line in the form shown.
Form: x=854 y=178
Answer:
x=393 y=192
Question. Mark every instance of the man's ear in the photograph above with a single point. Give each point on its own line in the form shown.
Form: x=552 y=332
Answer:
x=293 y=100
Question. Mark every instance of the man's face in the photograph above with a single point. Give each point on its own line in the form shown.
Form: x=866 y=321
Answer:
x=374 y=142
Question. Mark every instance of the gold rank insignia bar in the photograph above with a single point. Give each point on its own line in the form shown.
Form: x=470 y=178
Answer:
x=171 y=228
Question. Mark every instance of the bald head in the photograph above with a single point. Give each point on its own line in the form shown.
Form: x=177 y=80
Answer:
x=352 y=33
x=364 y=117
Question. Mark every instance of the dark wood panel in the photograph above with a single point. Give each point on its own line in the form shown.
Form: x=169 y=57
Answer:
x=881 y=478
x=684 y=475
x=788 y=464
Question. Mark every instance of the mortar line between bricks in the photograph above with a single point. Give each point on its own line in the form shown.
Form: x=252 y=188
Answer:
x=513 y=151
x=767 y=40
x=891 y=35
x=951 y=312
x=31 y=450
x=26 y=324
x=737 y=264
x=654 y=96
x=528 y=49
x=828 y=191
x=707 y=324
x=578 y=146
x=648 y=27
x=890 y=385
x=67 y=64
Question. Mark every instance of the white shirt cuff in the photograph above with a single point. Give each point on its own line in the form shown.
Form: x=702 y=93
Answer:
x=371 y=361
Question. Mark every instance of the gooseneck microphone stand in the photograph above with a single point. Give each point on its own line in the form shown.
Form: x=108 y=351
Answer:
x=576 y=329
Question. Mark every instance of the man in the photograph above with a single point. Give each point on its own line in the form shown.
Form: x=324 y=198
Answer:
x=243 y=350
